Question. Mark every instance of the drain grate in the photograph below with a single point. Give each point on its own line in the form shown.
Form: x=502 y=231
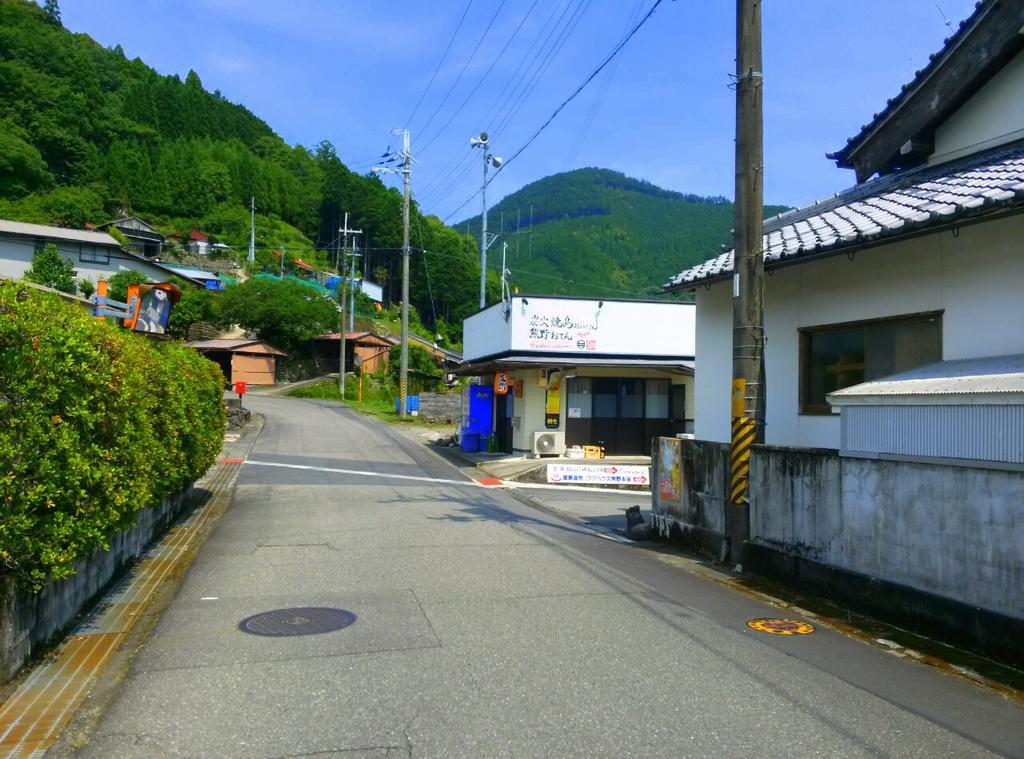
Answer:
x=305 y=620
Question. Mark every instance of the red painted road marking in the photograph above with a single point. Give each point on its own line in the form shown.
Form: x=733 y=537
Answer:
x=490 y=482
x=231 y=461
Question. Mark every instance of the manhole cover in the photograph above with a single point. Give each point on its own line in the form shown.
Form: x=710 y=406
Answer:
x=301 y=621
x=781 y=626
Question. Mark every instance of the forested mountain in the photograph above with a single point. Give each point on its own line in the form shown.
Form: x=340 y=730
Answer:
x=87 y=134
x=596 y=231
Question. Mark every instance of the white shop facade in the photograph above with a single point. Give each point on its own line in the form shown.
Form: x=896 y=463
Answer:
x=583 y=371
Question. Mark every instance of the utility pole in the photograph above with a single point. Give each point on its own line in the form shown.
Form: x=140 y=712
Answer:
x=352 y=300
x=252 y=230
x=405 y=171
x=345 y=232
x=748 y=388
x=483 y=141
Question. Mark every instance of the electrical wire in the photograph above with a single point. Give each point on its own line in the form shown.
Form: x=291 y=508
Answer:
x=440 y=63
x=458 y=160
x=602 y=91
x=525 y=88
x=421 y=150
x=615 y=51
x=464 y=67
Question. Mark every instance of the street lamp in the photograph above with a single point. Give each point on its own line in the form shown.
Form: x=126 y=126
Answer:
x=483 y=141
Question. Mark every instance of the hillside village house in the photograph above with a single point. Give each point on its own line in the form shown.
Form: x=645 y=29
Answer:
x=143 y=239
x=921 y=264
x=94 y=255
x=609 y=372
x=893 y=313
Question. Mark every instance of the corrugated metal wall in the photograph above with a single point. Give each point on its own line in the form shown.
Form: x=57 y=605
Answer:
x=980 y=433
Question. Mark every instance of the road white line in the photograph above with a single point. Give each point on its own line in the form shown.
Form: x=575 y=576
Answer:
x=442 y=481
x=361 y=473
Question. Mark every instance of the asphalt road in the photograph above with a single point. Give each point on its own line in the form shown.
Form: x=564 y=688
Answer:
x=485 y=627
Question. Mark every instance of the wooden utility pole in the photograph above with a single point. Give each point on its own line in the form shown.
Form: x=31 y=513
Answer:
x=748 y=389
x=345 y=232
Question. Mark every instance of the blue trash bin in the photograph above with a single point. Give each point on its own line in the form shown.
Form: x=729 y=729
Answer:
x=470 y=441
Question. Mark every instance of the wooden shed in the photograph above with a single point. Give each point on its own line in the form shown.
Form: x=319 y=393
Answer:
x=250 y=361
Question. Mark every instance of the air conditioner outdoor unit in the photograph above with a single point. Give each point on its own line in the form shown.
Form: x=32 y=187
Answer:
x=549 y=443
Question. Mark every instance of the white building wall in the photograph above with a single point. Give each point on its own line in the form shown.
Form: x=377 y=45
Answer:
x=993 y=116
x=16 y=257
x=976 y=278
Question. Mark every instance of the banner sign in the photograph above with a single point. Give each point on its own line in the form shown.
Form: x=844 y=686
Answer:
x=604 y=474
x=670 y=476
x=553 y=401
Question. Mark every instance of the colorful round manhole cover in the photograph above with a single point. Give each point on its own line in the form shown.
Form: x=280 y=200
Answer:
x=305 y=620
x=781 y=626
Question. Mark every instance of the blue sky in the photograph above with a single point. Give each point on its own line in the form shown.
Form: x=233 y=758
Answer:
x=351 y=71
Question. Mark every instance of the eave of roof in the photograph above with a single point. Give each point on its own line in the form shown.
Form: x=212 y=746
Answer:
x=883 y=210
x=488 y=365
x=980 y=45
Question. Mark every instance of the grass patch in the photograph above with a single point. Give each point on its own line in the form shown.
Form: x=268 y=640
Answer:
x=378 y=399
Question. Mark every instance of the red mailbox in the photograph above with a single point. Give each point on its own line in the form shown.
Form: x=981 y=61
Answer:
x=240 y=388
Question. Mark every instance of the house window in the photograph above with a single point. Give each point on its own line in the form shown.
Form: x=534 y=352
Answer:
x=90 y=255
x=841 y=355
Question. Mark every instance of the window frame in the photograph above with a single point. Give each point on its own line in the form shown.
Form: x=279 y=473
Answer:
x=96 y=256
x=806 y=333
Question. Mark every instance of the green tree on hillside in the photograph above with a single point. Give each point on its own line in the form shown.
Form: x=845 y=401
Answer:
x=284 y=313
x=50 y=268
x=117 y=285
x=52 y=10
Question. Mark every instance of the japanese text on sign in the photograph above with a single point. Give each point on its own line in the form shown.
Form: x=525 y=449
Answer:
x=588 y=474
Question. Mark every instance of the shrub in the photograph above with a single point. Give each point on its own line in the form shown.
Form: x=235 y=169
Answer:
x=95 y=423
x=50 y=268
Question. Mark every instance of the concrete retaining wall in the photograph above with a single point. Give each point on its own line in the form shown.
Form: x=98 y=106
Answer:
x=953 y=531
x=441 y=407
x=698 y=514
x=28 y=620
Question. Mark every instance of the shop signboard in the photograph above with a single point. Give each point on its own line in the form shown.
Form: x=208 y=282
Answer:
x=601 y=474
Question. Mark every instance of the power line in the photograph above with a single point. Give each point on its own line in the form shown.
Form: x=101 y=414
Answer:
x=464 y=67
x=481 y=80
x=615 y=51
x=557 y=36
x=515 y=81
x=444 y=55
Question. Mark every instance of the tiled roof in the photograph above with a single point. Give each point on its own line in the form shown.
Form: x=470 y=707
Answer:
x=897 y=204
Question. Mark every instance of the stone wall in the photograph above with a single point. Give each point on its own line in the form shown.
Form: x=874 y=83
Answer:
x=441 y=407
x=29 y=620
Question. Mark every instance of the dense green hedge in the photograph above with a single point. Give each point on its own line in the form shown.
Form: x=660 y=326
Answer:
x=95 y=423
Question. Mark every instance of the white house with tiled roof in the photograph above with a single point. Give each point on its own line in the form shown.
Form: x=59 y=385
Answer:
x=922 y=261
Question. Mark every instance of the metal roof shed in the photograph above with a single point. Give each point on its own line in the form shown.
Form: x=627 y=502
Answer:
x=969 y=411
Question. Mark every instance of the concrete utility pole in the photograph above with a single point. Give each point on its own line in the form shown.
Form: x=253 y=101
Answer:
x=252 y=230
x=405 y=171
x=748 y=389
x=483 y=141
x=345 y=232
x=352 y=301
